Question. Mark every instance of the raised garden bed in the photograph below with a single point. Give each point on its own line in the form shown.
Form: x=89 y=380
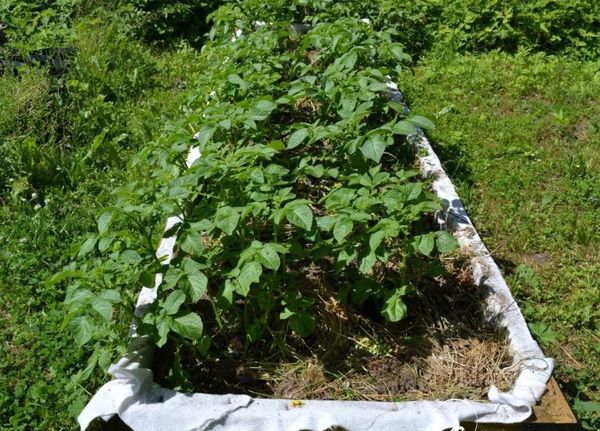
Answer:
x=304 y=262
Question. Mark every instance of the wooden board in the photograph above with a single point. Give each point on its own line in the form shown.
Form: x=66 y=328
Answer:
x=551 y=414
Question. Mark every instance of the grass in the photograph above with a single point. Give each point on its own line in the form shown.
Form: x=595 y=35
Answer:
x=520 y=136
x=39 y=364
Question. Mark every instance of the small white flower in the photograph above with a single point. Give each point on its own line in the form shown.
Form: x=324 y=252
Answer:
x=34 y=195
x=37 y=207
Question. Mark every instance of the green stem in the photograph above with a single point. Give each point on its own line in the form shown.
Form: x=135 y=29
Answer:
x=217 y=314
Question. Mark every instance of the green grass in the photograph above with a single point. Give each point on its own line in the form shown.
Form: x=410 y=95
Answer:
x=520 y=136
x=37 y=361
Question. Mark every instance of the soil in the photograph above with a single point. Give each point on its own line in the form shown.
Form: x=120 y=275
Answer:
x=443 y=349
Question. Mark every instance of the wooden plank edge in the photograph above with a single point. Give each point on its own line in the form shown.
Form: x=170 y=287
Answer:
x=552 y=413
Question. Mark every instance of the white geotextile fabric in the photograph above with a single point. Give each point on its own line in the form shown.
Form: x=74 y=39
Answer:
x=145 y=406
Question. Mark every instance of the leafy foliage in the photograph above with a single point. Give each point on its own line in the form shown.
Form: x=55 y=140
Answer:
x=165 y=21
x=40 y=24
x=558 y=26
x=304 y=162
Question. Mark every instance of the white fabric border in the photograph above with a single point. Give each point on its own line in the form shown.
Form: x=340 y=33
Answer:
x=145 y=406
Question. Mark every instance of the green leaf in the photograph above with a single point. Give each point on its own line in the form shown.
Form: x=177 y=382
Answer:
x=340 y=198
x=235 y=79
x=367 y=263
x=268 y=257
x=111 y=295
x=76 y=294
x=225 y=124
x=326 y=223
x=250 y=273
x=197 y=279
x=87 y=247
x=398 y=107
x=394 y=308
x=422 y=122
x=105 y=242
x=345 y=257
x=348 y=60
x=542 y=332
x=63 y=275
x=257 y=175
x=296 y=138
x=373 y=147
x=376 y=239
x=254 y=332
x=82 y=329
x=302 y=324
x=147 y=278
x=198 y=282
x=426 y=244
x=379 y=87
x=104 y=222
x=192 y=244
x=399 y=52
x=277 y=145
x=277 y=215
x=173 y=302
x=227 y=219
x=404 y=128
x=228 y=289
x=286 y=313
x=171 y=278
x=300 y=215
x=205 y=134
x=130 y=257
x=163 y=326
x=585 y=408
x=445 y=242
x=342 y=229
x=104 y=308
x=265 y=105
x=188 y=326
x=414 y=191
x=316 y=171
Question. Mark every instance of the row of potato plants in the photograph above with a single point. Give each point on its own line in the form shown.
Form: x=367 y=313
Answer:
x=304 y=163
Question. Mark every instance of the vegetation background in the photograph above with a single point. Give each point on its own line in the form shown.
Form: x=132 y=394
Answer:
x=513 y=86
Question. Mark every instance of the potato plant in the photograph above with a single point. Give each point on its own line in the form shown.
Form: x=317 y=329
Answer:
x=304 y=163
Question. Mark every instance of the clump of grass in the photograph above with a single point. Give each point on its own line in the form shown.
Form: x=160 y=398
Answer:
x=29 y=130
